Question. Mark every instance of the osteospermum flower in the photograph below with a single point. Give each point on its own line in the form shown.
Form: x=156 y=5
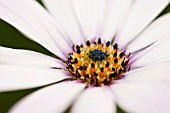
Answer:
x=109 y=53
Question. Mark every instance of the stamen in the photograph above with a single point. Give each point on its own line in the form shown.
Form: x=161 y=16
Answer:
x=99 y=41
x=92 y=65
x=121 y=54
x=107 y=64
x=115 y=54
x=113 y=75
x=78 y=49
x=102 y=69
x=115 y=46
x=113 y=69
x=108 y=43
x=116 y=61
x=97 y=63
x=75 y=61
x=88 y=43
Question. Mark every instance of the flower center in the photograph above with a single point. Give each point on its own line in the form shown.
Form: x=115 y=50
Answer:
x=98 y=63
x=97 y=55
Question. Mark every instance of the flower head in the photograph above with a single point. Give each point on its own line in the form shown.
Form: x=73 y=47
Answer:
x=109 y=52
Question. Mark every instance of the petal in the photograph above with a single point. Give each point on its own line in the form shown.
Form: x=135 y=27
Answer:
x=63 y=12
x=143 y=97
x=34 y=21
x=156 y=31
x=17 y=77
x=157 y=73
x=115 y=14
x=157 y=53
x=52 y=99
x=94 y=100
x=26 y=57
x=142 y=13
x=90 y=14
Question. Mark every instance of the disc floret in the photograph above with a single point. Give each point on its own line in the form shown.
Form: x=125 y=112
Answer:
x=97 y=63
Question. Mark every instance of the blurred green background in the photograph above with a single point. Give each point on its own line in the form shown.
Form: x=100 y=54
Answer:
x=10 y=37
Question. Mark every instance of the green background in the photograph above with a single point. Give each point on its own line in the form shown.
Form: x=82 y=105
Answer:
x=11 y=37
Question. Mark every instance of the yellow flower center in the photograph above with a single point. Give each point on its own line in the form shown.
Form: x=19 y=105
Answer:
x=97 y=63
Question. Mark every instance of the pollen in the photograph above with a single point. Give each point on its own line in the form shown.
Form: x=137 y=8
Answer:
x=97 y=63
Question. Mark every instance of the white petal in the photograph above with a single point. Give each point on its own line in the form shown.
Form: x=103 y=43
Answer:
x=15 y=77
x=158 y=52
x=157 y=30
x=115 y=14
x=142 y=97
x=63 y=12
x=32 y=20
x=26 y=57
x=153 y=73
x=142 y=13
x=52 y=99
x=90 y=14
x=94 y=100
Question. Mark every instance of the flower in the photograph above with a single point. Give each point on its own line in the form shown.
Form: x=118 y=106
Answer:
x=143 y=86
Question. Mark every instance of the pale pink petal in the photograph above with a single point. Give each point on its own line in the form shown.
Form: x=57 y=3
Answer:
x=154 y=73
x=64 y=14
x=33 y=20
x=17 y=77
x=94 y=100
x=157 y=30
x=52 y=99
x=158 y=52
x=115 y=14
x=142 y=13
x=90 y=15
x=26 y=57
x=143 y=97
